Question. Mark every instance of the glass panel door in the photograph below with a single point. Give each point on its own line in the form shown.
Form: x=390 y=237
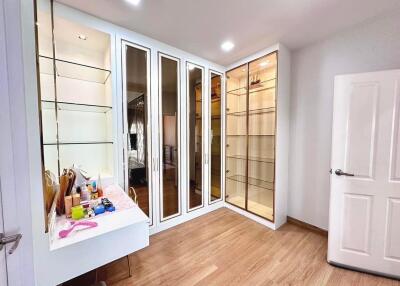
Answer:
x=169 y=82
x=261 y=133
x=136 y=64
x=236 y=136
x=215 y=135
x=195 y=75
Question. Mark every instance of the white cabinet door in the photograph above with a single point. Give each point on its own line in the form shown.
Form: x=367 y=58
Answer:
x=364 y=226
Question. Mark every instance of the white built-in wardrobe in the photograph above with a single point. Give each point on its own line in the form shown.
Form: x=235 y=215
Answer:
x=159 y=122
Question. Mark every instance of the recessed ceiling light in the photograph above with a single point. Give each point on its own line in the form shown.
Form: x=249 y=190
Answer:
x=82 y=37
x=227 y=46
x=133 y=2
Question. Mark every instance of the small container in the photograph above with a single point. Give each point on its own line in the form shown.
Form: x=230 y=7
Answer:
x=99 y=209
x=85 y=196
x=68 y=205
x=76 y=199
x=78 y=212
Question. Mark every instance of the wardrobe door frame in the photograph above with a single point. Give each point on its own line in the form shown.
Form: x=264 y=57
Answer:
x=204 y=156
x=275 y=132
x=160 y=133
x=149 y=166
x=222 y=136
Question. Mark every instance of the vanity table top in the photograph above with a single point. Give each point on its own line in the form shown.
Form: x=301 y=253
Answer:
x=127 y=213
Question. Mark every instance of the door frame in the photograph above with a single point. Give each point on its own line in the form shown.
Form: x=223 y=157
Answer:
x=222 y=135
x=204 y=145
x=19 y=88
x=150 y=164
x=159 y=115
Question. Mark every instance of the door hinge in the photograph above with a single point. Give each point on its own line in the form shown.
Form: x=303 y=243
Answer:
x=10 y=239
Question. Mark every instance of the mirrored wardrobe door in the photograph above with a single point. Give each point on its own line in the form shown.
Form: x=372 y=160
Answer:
x=215 y=138
x=195 y=87
x=136 y=125
x=169 y=119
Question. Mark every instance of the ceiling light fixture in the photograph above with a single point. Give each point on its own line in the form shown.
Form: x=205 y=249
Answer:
x=227 y=46
x=82 y=37
x=133 y=2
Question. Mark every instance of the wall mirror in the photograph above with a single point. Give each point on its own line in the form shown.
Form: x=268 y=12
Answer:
x=136 y=111
x=195 y=81
x=169 y=95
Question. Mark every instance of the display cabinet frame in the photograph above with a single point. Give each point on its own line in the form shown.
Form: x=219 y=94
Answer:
x=281 y=145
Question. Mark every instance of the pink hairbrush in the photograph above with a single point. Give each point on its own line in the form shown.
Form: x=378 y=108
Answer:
x=65 y=232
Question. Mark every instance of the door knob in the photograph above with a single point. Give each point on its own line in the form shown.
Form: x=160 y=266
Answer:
x=339 y=172
x=10 y=239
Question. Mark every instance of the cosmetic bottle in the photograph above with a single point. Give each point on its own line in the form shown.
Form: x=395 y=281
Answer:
x=99 y=187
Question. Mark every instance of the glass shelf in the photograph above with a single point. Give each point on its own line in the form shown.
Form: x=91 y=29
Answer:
x=251 y=135
x=253 y=111
x=251 y=158
x=70 y=106
x=252 y=182
x=73 y=70
x=261 y=86
x=238 y=91
x=78 y=143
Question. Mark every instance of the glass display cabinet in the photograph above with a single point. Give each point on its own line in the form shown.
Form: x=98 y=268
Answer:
x=76 y=105
x=250 y=136
x=76 y=98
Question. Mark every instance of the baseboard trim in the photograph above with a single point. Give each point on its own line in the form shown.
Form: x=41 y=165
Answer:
x=307 y=226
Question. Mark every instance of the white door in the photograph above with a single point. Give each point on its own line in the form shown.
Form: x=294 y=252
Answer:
x=364 y=225
x=16 y=263
x=3 y=268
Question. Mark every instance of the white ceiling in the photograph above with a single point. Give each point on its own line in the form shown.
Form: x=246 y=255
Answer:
x=200 y=26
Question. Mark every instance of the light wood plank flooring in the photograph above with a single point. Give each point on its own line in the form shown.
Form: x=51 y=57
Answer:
x=224 y=248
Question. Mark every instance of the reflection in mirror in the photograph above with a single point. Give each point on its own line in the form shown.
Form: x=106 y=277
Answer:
x=169 y=92
x=195 y=95
x=215 y=98
x=136 y=113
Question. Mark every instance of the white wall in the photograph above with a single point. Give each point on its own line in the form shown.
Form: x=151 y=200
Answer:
x=372 y=46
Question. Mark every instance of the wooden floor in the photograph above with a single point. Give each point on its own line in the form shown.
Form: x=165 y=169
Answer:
x=224 y=248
